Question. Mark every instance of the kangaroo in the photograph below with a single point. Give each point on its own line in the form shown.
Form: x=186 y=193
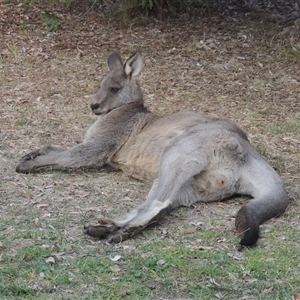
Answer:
x=188 y=156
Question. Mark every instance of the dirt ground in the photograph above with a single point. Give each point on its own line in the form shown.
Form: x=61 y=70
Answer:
x=242 y=67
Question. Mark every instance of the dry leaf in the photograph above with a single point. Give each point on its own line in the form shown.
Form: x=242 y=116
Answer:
x=197 y=224
x=151 y=285
x=42 y=205
x=115 y=268
x=296 y=296
x=237 y=255
x=206 y=248
x=83 y=194
x=46 y=215
x=58 y=256
x=25 y=195
x=50 y=260
x=221 y=240
x=219 y=295
x=164 y=232
x=28 y=257
x=124 y=292
x=93 y=208
x=268 y=290
x=115 y=258
x=189 y=231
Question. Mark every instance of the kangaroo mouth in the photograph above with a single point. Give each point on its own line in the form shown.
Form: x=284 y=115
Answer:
x=99 y=113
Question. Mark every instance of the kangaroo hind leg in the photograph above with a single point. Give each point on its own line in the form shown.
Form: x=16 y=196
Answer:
x=122 y=228
x=106 y=227
x=172 y=189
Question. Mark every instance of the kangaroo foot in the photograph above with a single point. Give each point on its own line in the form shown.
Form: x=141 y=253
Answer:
x=101 y=231
x=123 y=234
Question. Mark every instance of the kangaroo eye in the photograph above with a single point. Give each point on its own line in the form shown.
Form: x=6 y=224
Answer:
x=114 y=90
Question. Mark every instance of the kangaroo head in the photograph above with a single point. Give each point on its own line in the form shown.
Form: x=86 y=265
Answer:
x=120 y=86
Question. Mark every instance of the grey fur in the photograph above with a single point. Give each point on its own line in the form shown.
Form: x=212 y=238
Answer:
x=190 y=157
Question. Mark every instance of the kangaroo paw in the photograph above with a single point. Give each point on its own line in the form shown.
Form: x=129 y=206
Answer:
x=28 y=164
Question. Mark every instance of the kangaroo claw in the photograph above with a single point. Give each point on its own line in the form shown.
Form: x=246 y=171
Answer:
x=123 y=234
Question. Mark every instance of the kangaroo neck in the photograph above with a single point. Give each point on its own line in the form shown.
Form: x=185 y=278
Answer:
x=131 y=112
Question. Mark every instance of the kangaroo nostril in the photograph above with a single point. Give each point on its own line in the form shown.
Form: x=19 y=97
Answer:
x=95 y=106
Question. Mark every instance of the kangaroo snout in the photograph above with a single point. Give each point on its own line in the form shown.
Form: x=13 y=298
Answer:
x=95 y=106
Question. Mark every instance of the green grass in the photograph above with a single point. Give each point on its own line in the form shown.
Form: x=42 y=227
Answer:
x=15 y=290
x=291 y=126
x=22 y=121
x=289 y=53
x=51 y=20
x=145 y=273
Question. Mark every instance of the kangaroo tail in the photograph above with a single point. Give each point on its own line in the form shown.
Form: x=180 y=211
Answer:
x=257 y=211
x=269 y=200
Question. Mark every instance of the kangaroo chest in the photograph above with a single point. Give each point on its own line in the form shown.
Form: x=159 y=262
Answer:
x=140 y=155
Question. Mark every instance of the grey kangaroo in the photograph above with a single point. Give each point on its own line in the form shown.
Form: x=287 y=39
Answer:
x=189 y=157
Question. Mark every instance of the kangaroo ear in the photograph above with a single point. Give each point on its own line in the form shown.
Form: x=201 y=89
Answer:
x=133 y=64
x=114 y=61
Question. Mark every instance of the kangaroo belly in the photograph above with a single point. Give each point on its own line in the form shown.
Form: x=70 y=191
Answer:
x=140 y=157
